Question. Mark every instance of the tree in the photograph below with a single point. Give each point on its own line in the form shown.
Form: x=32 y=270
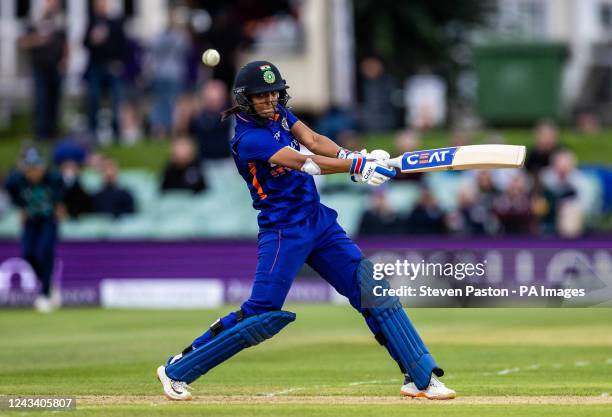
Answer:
x=411 y=34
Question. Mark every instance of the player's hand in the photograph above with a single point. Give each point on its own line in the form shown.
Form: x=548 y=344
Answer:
x=378 y=154
x=344 y=153
x=371 y=171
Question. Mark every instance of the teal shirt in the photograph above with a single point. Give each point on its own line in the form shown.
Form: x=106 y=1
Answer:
x=38 y=200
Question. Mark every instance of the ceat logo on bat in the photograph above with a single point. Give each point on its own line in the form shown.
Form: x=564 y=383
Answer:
x=427 y=159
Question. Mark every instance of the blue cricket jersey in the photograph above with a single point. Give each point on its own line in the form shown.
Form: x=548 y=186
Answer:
x=282 y=196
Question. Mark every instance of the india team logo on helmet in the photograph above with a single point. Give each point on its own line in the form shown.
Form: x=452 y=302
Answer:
x=269 y=77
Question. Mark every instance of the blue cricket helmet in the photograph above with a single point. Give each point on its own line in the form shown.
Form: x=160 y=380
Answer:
x=259 y=77
x=32 y=158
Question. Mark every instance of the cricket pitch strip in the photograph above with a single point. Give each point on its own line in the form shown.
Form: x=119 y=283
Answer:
x=344 y=400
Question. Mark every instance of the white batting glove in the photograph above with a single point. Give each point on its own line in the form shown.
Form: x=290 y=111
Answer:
x=377 y=154
x=371 y=171
x=344 y=153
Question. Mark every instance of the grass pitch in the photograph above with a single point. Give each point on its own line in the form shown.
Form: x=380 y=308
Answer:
x=528 y=362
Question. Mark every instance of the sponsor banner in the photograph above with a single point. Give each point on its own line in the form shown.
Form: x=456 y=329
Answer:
x=161 y=293
x=82 y=266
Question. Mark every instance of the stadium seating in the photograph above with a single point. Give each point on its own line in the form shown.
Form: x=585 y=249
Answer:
x=224 y=210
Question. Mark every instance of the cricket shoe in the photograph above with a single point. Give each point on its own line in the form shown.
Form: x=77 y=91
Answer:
x=435 y=391
x=43 y=304
x=174 y=390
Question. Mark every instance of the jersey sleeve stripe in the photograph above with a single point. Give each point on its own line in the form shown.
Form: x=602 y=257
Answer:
x=256 y=184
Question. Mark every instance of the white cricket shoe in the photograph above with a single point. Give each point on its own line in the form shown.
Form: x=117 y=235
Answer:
x=174 y=390
x=43 y=304
x=435 y=391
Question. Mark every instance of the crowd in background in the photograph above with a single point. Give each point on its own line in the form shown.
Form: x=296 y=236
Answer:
x=155 y=90
x=546 y=198
x=69 y=157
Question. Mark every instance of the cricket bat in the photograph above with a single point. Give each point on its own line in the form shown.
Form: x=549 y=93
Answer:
x=461 y=157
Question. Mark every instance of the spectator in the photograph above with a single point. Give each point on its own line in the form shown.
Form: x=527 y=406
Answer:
x=378 y=111
x=168 y=63
x=565 y=189
x=130 y=114
x=408 y=140
x=130 y=121
x=473 y=215
x=184 y=111
x=427 y=217
x=45 y=39
x=485 y=187
x=224 y=37
x=479 y=210
x=513 y=207
x=211 y=133
x=183 y=171
x=587 y=122
x=112 y=199
x=5 y=199
x=546 y=144
x=461 y=137
x=76 y=199
x=380 y=219
x=425 y=99
x=69 y=149
x=106 y=42
x=37 y=191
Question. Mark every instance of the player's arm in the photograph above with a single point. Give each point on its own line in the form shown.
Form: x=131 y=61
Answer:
x=290 y=158
x=371 y=171
x=316 y=143
x=322 y=145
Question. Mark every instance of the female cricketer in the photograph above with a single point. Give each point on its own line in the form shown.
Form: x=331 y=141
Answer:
x=295 y=228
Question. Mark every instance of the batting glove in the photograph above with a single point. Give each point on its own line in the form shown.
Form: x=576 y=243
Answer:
x=371 y=171
x=344 y=153
x=378 y=154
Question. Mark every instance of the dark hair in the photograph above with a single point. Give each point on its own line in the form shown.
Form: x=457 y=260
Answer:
x=228 y=112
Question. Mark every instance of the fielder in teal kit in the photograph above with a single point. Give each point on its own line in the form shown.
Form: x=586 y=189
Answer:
x=295 y=228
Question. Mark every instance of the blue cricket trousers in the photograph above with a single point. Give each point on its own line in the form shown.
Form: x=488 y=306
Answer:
x=318 y=241
x=38 y=241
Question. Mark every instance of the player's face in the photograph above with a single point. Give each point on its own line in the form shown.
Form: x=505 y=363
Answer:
x=35 y=174
x=264 y=104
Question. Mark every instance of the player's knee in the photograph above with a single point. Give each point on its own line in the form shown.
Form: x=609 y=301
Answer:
x=250 y=309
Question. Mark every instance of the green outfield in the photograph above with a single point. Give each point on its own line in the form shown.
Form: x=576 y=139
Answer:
x=529 y=362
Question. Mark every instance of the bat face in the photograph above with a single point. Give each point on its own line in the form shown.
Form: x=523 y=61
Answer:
x=461 y=157
x=428 y=159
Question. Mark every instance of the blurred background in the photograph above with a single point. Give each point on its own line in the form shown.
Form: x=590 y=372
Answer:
x=114 y=94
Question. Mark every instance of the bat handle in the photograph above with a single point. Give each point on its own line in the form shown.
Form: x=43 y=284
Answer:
x=395 y=162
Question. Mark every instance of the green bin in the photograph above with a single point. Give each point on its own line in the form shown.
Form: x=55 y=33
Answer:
x=519 y=83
